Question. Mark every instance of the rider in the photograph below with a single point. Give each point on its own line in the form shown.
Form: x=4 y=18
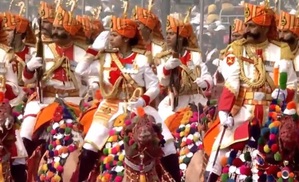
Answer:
x=123 y=75
x=237 y=29
x=47 y=14
x=61 y=58
x=188 y=60
x=13 y=93
x=251 y=81
x=288 y=28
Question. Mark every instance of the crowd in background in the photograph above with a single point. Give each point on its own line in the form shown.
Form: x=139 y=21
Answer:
x=218 y=16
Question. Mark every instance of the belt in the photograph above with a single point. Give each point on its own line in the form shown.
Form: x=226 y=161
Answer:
x=50 y=91
x=135 y=167
x=257 y=102
x=250 y=96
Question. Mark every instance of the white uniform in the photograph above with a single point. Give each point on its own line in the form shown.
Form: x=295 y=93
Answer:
x=243 y=98
x=15 y=92
x=194 y=60
x=60 y=80
x=141 y=74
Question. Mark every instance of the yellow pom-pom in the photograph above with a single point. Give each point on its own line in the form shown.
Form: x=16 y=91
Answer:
x=56 y=164
x=110 y=139
x=105 y=160
x=266 y=149
x=182 y=134
x=45 y=167
x=121 y=157
x=277 y=108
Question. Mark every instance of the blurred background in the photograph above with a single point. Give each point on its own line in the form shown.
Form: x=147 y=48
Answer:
x=212 y=33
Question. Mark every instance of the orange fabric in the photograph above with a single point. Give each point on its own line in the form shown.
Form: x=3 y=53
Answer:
x=64 y=19
x=150 y=20
x=87 y=117
x=46 y=11
x=263 y=16
x=210 y=136
x=185 y=30
x=289 y=22
x=238 y=26
x=124 y=27
x=47 y=113
x=12 y=21
x=97 y=27
x=174 y=121
x=86 y=25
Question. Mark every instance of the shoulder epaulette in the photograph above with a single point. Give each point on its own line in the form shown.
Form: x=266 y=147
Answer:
x=193 y=49
x=139 y=50
x=286 y=52
x=81 y=45
x=162 y=54
x=5 y=48
x=159 y=42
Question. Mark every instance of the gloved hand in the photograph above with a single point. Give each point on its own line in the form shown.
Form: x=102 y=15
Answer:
x=172 y=63
x=94 y=86
x=225 y=119
x=34 y=63
x=201 y=83
x=140 y=103
x=279 y=94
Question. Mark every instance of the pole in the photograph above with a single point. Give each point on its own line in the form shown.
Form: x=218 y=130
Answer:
x=83 y=7
x=202 y=6
x=27 y=9
x=165 y=11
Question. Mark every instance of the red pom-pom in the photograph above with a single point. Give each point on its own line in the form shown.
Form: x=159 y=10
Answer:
x=272 y=107
x=238 y=146
x=245 y=170
x=272 y=170
x=274 y=148
x=272 y=137
x=237 y=162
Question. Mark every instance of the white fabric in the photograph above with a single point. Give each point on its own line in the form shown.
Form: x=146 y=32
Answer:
x=217 y=168
x=201 y=82
x=101 y=42
x=34 y=63
x=280 y=94
x=140 y=103
x=172 y=63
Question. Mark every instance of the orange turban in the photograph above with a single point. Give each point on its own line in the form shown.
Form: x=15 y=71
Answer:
x=64 y=19
x=238 y=26
x=86 y=25
x=46 y=11
x=124 y=27
x=97 y=27
x=12 y=21
x=260 y=15
x=263 y=16
x=289 y=22
x=150 y=20
x=185 y=30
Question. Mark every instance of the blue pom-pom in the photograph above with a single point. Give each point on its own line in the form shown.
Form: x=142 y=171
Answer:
x=264 y=131
x=233 y=154
x=270 y=178
x=230 y=161
x=274 y=130
x=231 y=180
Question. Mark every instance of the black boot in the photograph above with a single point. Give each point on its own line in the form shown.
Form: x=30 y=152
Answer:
x=210 y=177
x=29 y=145
x=19 y=173
x=171 y=165
x=88 y=160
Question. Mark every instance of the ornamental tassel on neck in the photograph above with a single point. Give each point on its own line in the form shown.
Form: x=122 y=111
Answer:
x=142 y=174
x=1 y=174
